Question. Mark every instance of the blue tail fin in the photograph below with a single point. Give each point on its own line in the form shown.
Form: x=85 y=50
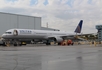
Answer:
x=79 y=27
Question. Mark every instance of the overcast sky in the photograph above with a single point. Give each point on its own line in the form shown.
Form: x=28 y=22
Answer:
x=60 y=14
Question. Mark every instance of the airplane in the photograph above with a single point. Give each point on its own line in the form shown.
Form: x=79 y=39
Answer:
x=16 y=35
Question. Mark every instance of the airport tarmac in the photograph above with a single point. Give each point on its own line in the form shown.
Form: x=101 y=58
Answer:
x=36 y=57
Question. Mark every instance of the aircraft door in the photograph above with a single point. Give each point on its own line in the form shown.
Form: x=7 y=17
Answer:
x=15 y=32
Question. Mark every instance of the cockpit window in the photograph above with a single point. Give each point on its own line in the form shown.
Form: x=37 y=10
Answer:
x=7 y=32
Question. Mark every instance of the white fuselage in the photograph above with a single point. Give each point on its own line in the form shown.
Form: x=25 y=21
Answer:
x=33 y=34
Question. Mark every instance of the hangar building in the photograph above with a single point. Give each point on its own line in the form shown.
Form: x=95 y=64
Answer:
x=9 y=21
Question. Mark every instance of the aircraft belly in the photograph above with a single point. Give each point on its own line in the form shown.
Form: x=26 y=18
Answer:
x=24 y=37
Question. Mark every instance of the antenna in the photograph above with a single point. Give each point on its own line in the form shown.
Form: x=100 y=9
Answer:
x=47 y=24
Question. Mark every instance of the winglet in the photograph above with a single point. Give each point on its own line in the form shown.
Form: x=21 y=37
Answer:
x=79 y=27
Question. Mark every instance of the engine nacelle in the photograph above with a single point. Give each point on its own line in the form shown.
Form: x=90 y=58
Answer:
x=58 y=39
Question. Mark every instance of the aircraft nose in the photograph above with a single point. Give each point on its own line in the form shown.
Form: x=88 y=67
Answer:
x=3 y=36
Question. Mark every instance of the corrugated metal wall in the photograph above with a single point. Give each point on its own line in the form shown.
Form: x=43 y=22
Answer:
x=9 y=21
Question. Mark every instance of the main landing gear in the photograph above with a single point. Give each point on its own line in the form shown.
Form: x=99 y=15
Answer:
x=48 y=42
x=13 y=42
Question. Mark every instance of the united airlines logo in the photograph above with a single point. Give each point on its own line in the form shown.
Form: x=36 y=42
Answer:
x=25 y=31
x=78 y=29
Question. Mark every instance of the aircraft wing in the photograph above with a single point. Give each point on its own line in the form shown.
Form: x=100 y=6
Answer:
x=69 y=36
x=60 y=36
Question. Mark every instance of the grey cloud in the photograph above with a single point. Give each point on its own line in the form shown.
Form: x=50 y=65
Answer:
x=23 y=11
x=40 y=11
x=65 y=15
x=73 y=14
x=13 y=10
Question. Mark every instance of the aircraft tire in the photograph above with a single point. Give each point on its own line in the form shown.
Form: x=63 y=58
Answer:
x=15 y=44
x=4 y=44
x=72 y=43
x=48 y=44
x=59 y=43
x=68 y=44
x=20 y=44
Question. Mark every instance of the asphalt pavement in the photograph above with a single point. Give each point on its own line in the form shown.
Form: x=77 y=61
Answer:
x=42 y=57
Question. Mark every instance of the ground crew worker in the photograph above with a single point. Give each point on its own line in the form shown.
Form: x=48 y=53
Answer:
x=70 y=42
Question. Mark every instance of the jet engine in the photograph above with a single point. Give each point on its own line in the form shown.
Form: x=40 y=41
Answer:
x=58 y=39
